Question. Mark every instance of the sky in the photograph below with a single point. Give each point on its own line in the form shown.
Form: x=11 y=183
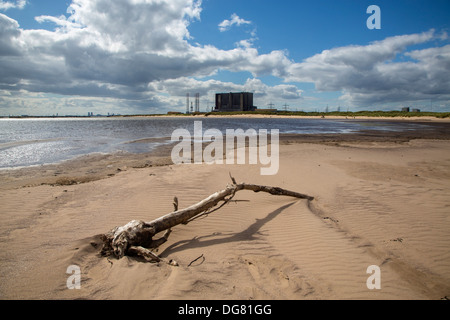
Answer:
x=143 y=56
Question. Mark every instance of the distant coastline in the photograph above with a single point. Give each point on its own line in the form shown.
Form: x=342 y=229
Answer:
x=382 y=115
x=361 y=115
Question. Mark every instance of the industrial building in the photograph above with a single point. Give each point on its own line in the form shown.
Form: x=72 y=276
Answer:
x=407 y=109
x=234 y=101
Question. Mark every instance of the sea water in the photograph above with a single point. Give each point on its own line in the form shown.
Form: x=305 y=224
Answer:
x=36 y=141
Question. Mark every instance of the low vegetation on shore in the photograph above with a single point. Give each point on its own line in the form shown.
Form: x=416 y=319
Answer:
x=349 y=114
x=392 y=114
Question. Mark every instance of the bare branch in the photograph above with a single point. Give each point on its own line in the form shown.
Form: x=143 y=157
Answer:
x=138 y=235
x=175 y=203
x=232 y=179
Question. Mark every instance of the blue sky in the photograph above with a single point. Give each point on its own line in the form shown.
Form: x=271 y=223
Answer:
x=143 y=56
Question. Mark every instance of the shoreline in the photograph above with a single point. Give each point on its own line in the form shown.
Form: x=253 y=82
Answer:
x=96 y=166
x=333 y=117
x=280 y=116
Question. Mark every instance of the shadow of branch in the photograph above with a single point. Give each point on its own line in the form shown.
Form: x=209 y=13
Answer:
x=204 y=241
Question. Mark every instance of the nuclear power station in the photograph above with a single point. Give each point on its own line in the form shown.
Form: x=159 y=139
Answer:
x=225 y=102
x=234 y=101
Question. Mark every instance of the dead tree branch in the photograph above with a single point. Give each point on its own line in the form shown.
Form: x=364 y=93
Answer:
x=136 y=237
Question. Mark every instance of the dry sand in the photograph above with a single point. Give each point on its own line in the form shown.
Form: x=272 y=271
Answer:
x=378 y=201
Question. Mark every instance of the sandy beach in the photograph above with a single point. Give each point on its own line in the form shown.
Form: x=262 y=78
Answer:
x=381 y=199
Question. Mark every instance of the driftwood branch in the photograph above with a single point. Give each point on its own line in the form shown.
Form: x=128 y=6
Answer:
x=136 y=237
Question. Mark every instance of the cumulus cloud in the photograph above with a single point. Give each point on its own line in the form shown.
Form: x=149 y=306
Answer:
x=207 y=88
x=225 y=25
x=19 y=4
x=9 y=33
x=373 y=74
x=137 y=25
x=115 y=49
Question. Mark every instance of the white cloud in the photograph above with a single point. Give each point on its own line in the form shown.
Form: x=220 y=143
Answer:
x=372 y=74
x=131 y=42
x=115 y=49
x=177 y=89
x=154 y=26
x=61 y=21
x=19 y=4
x=234 y=20
x=9 y=34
